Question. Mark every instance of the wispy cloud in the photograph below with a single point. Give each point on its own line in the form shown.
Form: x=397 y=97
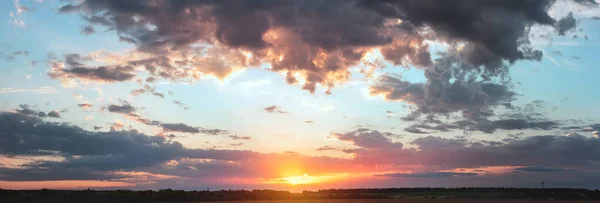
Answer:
x=42 y=90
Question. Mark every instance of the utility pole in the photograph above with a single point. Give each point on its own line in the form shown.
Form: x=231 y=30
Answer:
x=542 y=184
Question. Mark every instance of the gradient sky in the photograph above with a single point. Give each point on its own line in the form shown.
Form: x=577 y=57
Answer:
x=298 y=95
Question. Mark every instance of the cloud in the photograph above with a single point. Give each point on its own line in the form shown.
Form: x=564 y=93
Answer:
x=440 y=95
x=184 y=128
x=235 y=137
x=117 y=126
x=54 y=114
x=414 y=129
x=179 y=127
x=130 y=112
x=73 y=68
x=124 y=108
x=86 y=106
x=375 y=148
x=587 y=128
x=27 y=110
x=368 y=138
x=130 y=151
x=427 y=175
x=327 y=148
x=42 y=90
x=147 y=88
x=514 y=117
x=87 y=30
x=519 y=124
x=237 y=144
x=274 y=109
x=214 y=131
x=540 y=169
x=103 y=73
x=111 y=151
x=313 y=43
x=181 y=104
x=565 y=24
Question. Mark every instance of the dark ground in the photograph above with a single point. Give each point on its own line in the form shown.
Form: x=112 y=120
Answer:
x=380 y=195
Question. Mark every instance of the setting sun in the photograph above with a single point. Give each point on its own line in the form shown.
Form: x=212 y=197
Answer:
x=307 y=179
x=295 y=180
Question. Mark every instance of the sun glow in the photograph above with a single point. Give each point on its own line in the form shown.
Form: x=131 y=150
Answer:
x=295 y=180
x=306 y=179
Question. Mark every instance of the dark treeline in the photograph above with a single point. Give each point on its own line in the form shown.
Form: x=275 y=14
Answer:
x=169 y=195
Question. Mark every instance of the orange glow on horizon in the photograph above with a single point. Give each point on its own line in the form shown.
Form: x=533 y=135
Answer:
x=306 y=179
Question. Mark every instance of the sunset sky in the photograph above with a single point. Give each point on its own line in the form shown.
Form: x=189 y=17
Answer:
x=299 y=95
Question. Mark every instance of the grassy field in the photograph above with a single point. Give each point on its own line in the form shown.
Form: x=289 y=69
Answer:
x=410 y=201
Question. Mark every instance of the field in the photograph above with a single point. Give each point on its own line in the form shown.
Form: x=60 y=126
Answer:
x=410 y=201
x=376 y=195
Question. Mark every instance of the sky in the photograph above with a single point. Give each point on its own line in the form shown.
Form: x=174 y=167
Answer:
x=299 y=95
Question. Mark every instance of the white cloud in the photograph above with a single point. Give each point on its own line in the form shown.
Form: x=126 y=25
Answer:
x=15 y=15
x=43 y=90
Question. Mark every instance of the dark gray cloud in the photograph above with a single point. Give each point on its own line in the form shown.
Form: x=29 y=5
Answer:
x=130 y=111
x=179 y=127
x=291 y=35
x=416 y=130
x=184 y=128
x=520 y=124
x=28 y=110
x=213 y=131
x=545 y=150
x=368 y=138
x=540 y=169
x=88 y=155
x=274 y=109
x=490 y=126
x=74 y=67
x=439 y=95
x=565 y=24
x=54 y=114
x=585 y=128
x=499 y=38
x=102 y=73
x=526 y=117
x=87 y=30
x=143 y=120
x=427 y=175
x=124 y=108
x=181 y=104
